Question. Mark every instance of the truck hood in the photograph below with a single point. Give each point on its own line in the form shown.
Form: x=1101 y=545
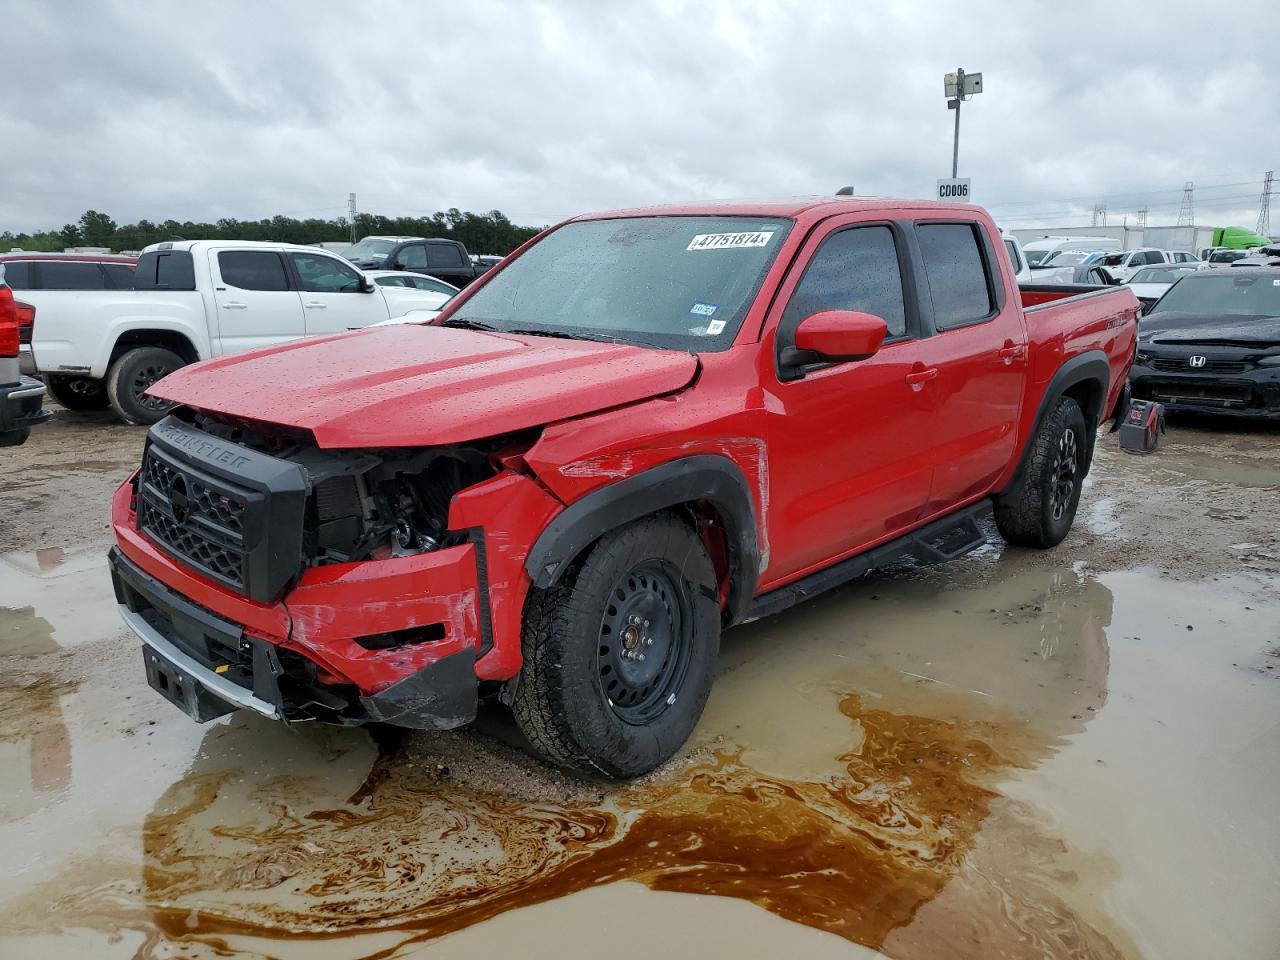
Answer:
x=414 y=385
x=1196 y=328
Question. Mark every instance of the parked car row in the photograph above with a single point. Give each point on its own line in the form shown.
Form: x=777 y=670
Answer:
x=106 y=344
x=447 y=260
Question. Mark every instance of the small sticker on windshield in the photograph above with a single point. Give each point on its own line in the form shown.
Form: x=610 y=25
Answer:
x=715 y=327
x=730 y=241
x=704 y=309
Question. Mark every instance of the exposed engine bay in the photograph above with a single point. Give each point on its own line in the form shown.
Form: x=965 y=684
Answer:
x=369 y=504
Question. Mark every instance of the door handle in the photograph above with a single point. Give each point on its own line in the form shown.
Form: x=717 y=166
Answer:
x=1010 y=352
x=918 y=378
x=235 y=305
x=313 y=305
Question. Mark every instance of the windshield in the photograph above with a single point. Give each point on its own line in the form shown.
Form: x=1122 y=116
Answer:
x=369 y=249
x=1234 y=296
x=1034 y=257
x=1227 y=256
x=679 y=282
x=1159 y=274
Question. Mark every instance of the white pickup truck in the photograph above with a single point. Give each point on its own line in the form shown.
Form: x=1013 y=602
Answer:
x=193 y=300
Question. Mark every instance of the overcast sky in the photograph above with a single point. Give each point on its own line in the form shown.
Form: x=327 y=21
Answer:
x=200 y=111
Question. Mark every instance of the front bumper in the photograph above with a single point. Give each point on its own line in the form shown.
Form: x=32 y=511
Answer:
x=208 y=666
x=21 y=405
x=1251 y=393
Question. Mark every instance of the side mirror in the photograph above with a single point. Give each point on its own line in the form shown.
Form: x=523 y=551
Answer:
x=835 y=336
x=365 y=285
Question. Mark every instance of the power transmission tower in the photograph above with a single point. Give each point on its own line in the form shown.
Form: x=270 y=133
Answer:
x=1100 y=213
x=1264 y=206
x=351 y=207
x=1187 y=212
x=1142 y=217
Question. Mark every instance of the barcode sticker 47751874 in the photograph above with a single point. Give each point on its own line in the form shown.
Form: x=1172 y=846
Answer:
x=730 y=241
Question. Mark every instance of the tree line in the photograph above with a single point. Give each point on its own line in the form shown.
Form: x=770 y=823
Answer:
x=488 y=232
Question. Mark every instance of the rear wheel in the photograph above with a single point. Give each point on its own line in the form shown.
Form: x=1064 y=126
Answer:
x=78 y=393
x=620 y=655
x=132 y=375
x=1040 y=512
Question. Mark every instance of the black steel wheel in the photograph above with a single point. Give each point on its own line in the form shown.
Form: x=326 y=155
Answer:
x=646 y=637
x=620 y=653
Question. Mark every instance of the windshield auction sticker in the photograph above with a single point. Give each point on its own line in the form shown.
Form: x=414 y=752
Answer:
x=730 y=241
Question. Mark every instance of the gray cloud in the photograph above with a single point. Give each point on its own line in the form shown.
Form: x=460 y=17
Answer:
x=199 y=111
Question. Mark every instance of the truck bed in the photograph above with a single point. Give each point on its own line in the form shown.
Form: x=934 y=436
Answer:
x=1036 y=295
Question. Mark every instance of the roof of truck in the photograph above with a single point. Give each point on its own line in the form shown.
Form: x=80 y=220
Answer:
x=790 y=207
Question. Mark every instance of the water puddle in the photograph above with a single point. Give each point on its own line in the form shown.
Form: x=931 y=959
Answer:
x=982 y=760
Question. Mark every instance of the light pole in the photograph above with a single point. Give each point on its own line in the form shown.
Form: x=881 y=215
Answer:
x=959 y=86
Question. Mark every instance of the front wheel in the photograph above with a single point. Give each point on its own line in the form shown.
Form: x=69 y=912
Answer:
x=130 y=378
x=619 y=656
x=1040 y=512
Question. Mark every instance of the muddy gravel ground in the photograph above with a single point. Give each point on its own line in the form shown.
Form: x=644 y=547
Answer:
x=1022 y=754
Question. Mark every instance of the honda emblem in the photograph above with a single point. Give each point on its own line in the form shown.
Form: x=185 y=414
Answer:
x=1197 y=361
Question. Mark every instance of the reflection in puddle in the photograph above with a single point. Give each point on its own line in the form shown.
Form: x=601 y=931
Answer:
x=857 y=854
x=884 y=765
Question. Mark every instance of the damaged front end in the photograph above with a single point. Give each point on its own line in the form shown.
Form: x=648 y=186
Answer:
x=266 y=573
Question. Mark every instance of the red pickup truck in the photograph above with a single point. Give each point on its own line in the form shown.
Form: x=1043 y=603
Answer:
x=643 y=427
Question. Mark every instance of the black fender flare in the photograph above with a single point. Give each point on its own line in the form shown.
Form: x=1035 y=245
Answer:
x=708 y=478
x=1091 y=366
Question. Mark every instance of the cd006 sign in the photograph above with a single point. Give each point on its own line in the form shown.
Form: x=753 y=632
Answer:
x=954 y=190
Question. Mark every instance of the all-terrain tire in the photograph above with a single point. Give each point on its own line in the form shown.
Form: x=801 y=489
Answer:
x=585 y=699
x=1040 y=510
x=78 y=393
x=131 y=375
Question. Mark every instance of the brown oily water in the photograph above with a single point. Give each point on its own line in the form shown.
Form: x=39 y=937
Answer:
x=860 y=855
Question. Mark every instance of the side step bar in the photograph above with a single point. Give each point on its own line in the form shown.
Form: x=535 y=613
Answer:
x=944 y=539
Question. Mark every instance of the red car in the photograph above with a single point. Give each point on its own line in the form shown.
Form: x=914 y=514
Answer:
x=643 y=427
x=21 y=397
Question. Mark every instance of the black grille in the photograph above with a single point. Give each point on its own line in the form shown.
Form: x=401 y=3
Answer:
x=197 y=519
x=1207 y=393
x=1183 y=365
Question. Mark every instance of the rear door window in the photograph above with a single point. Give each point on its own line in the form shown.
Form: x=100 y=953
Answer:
x=959 y=283
x=119 y=276
x=70 y=275
x=444 y=255
x=252 y=270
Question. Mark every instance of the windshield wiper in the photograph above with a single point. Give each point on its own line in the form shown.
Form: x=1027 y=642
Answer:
x=469 y=324
x=558 y=334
